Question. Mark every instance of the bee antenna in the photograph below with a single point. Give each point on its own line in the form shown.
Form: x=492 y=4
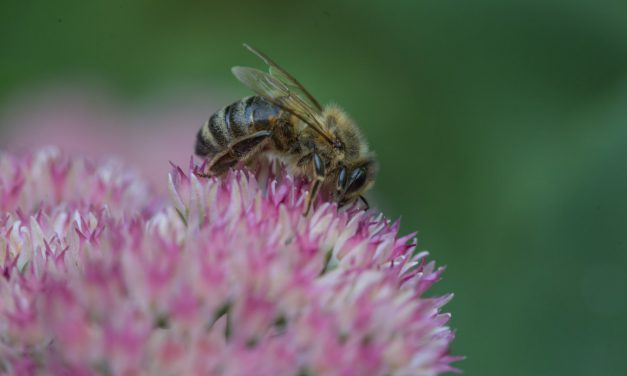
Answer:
x=363 y=199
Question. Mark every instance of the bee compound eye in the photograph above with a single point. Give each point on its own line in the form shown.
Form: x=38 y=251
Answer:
x=341 y=179
x=357 y=180
x=318 y=164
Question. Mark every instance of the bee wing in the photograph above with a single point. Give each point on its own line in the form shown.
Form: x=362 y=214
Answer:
x=287 y=79
x=278 y=93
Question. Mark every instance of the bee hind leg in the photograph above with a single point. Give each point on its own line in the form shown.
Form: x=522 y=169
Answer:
x=221 y=163
x=241 y=149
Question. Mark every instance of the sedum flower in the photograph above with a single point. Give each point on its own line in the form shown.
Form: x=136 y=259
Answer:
x=100 y=277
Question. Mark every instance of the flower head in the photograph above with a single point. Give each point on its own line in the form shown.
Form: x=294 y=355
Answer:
x=229 y=279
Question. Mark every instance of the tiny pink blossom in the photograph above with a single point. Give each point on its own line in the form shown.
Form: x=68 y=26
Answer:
x=99 y=276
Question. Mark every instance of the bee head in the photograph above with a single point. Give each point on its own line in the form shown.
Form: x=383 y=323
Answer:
x=352 y=182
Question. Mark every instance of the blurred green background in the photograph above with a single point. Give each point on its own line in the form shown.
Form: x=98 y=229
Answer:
x=500 y=127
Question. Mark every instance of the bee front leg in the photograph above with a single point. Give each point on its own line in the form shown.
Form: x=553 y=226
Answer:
x=319 y=176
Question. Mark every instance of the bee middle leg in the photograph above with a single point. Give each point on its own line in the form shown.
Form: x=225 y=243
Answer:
x=239 y=150
x=319 y=176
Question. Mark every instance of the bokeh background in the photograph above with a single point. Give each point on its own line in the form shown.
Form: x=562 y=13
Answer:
x=500 y=127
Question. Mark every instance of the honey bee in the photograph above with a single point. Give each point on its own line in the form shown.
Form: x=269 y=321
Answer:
x=283 y=119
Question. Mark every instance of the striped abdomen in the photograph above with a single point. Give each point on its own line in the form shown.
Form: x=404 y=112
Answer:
x=234 y=121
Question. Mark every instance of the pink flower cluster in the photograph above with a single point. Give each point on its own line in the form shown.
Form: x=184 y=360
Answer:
x=98 y=276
